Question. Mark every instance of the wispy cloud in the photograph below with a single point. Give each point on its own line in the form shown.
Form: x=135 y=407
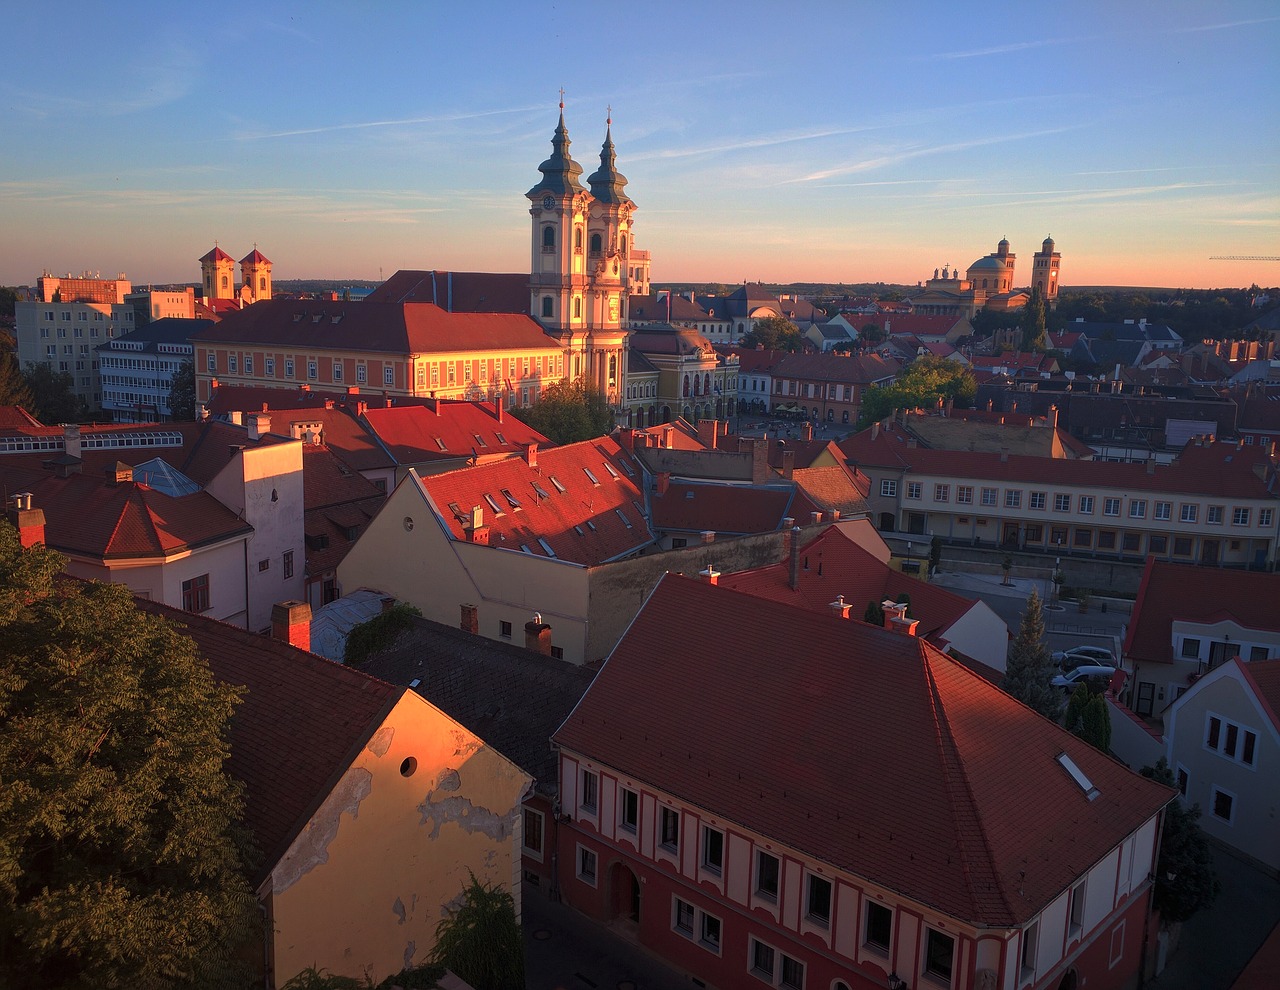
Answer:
x=1225 y=25
x=745 y=144
x=155 y=82
x=1152 y=168
x=397 y=122
x=1015 y=46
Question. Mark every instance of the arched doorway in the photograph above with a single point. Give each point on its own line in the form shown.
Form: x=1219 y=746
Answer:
x=624 y=893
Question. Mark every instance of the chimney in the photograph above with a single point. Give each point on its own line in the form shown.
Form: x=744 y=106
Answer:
x=663 y=482
x=841 y=607
x=708 y=432
x=1151 y=464
x=835 y=515
x=989 y=405
x=259 y=425
x=470 y=620
x=499 y=406
x=474 y=530
x=904 y=626
x=1013 y=406
x=386 y=399
x=627 y=439
x=304 y=387
x=119 y=473
x=361 y=408
x=1053 y=417
x=328 y=403
x=71 y=440
x=815 y=518
x=710 y=575
x=806 y=431
x=291 y=623
x=213 y=384
x=351 y=390
x=788 y=463
x=795 y=557
x=708 y=536
x=236 y=418
x=27 y=521
x=537 y=636
x=531 y=454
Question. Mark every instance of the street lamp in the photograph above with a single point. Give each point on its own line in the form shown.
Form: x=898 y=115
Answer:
x=908 y=567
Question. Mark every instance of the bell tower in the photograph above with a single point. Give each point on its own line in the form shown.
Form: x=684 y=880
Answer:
x=1044 y=273
x=255 y=275
x=218 y=275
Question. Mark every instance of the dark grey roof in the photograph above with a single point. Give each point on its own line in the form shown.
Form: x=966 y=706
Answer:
x=1122 y=331
x=606 y=182
x=170 y=330
x=512 y=698
x=638 y=364
x=559 y=172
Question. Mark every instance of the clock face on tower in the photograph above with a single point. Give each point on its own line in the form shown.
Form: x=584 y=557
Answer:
x=548 y=203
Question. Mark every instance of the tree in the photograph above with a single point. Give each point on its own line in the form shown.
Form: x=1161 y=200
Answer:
x=52 y=400
x=14 y=390
x=871 y=334
x=774 y=333
x=1185 y=877
x=1088 y=716
x=874 y=614
x=122 y=862
x=920 y=385
x=182 y=393
x=481 y=940
x=568 y=412
x=935 y=553
x=1029 y=672
x=1032 y=322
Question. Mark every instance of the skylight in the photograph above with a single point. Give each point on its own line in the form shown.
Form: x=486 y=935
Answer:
x=511 y=499
x=559 y=487
x=609 y=467
x=623 y=516
x=594 y=479
x=479 y=440
x=493 y=504
x=501 y=439
x=546 y=547
x=542 y=492
x=1078 y=775
x=440 y=444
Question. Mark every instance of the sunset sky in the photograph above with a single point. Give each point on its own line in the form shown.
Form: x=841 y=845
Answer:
x=855 y=141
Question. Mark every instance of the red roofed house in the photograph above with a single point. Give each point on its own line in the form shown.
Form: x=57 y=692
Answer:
x=842 y=812
x=1223 y=745
x=1188 y=620
x=369 y=805
x=828 y=388
x=846 y=567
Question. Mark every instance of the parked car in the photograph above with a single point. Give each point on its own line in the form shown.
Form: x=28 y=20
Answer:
x=1081 y=674
x=1077 y=655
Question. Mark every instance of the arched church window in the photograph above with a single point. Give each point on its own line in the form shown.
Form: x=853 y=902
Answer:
x=706 y=384
x=697 y=385
x=686 y=385
x=548 y=237
x=577 y=239
x=224 y=281
x=595 y=243
x=613 y=368
x=548 y=306
x=262 y=283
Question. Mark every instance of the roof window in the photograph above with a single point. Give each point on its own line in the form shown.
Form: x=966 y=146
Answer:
x=440 y=444
x=1078 y=775
x=511 y=499
x=501 y=439
x=591 y=525
x=623 y=516
x=559 y=487
x=612 y=473
x=540 y=491
x=546 y=547
x=579 y=530
x=479 y=440
x=594 y=480
x=493 y=504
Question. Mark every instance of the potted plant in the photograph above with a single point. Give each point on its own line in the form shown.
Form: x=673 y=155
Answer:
x=1083 y=597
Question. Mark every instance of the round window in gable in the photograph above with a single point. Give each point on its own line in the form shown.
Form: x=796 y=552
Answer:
x=408 y=767
x=408 y=524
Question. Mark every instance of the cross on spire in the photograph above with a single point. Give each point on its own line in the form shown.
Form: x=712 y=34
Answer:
x=609 y=118
x=561 y=97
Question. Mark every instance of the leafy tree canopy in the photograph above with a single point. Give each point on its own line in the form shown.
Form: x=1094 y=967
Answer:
x=14 y=390
x=872 y=334
x=52 y=399
x=379 y=632
x=775 y=333
x=1186 y=880
x=182 y=393
x=568 y=412
x=1032 y=322
x=1088 y=716
x=921 y=384
x=122 y=863
x=481 y=940
x=1029 y=671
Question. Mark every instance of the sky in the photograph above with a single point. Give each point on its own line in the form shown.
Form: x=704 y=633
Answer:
x=841 y=142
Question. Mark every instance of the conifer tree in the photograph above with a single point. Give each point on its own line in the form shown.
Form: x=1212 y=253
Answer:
x=1186 y=880
x=1029 y=671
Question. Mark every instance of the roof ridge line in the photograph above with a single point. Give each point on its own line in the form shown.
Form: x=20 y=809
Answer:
x=958 y=786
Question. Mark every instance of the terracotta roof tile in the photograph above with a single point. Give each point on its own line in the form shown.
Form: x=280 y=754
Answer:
x=441 y=430
x=862 y=748
x=459 y=292
x=694 y=506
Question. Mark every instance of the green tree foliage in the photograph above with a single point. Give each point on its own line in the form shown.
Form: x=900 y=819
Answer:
x=122 y=863
x=1088 y=717
x=14 y=390
x=935 y=553
x=8 y=304
x=182 y=393
x=52 y=399
x=568 y=412
x=481 y=940
x=1032 y=322
x=874 y=614
x=378 y=633
x=872 y=334
x=1029 y=671
x=775 y=333
x=1186 y=880
x=921 y=384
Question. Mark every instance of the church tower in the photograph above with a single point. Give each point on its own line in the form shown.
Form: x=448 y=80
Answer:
x=217 y=275
x=580 y=242
x=1044 y=273
x=255 y=274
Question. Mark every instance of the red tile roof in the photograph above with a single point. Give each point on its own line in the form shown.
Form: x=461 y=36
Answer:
x=588 y=523
x=1186 y=593
x=916 y=324
x=255 y=257
x=458 y=292
x=833 y=564
x=301 y=724
x=693 y=506
x=16 y=416
x=217 y=254
x=327 y=480
x=339 y=503
x=1264 y=675
x=1217 y=469
x=444 y=430
x=397 y=328
x=752 y=362
x=862 y=748
x=860 y=369
x=828 y=488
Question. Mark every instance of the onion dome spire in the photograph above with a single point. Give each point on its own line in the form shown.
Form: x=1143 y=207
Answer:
x=559 y=172
x=606 y=182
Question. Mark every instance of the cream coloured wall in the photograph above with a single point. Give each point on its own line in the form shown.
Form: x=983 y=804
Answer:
x=365 y=883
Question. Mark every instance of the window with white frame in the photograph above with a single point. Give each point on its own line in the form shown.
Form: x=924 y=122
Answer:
x=587 y=865
x=590 y=791
x=710 y=932
x=1012 y=498
x=1030 y=943
x=1061 y=503
x=939 y=954
x=1190 y=648
x=288 y=367
x=877 y=926
x=1037 y=500
x=337 y=371
x=232 y=363
x=1265 y=516
x=1075 y=910
x=1086 y=505
x=964 y=494
x=889 y=489
x=1190 y=512
x=1111 y=507
x=313 y=370
x=914 y=489
x=388 y=375
x=1223 y=805
x=628 y=809
x=942 y=493
x=989 y=496
x=669 y=820
x=1137 y=508
x=767 y=871
x=1231 y=740
x=269 y=365
x=531 y=840
x=1164 y=511
x=712 y=849
x=774 y=967
x=213 y=362
x=818 y=900
x=1240 y=517
x=1214 y=516
x=684 y=917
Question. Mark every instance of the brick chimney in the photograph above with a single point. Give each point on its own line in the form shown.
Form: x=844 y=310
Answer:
x=291 y=623
x=1053 y=417
x=537 y=636
x=895 y=618
x=708 y=433
x=841 y=607
x=788 y=463
x=815 y=518
x=710 y=575
x=531 y=454
x=806 y=431
x=470 y=620
x=259 y=425
x=663 y=482
x=708 y=536
x=474 y=530
x=27 y=521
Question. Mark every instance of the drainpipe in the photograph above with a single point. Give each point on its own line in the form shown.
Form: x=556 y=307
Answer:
x=1151 y=900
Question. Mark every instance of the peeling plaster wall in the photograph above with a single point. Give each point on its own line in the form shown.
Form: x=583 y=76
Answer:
x=364 y=885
